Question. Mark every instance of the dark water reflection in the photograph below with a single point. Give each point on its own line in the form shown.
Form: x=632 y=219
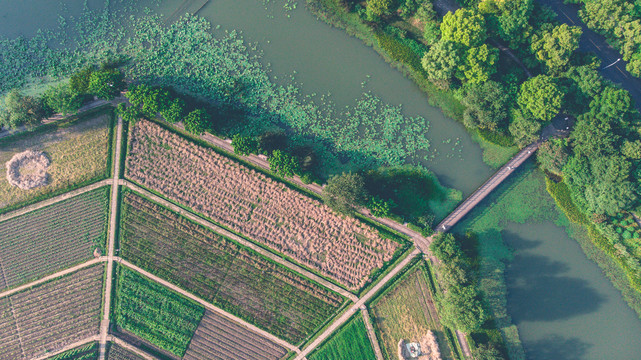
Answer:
x=564 y=307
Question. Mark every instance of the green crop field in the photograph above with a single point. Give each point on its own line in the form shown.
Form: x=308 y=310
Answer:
x=220 y=271
x=348 y=343
x=78 y=153
x=52 y=238
x=85 y=352
x=407 y=311
x=155 y=313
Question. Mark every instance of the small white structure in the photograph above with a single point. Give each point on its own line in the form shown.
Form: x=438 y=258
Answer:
x=414 y=349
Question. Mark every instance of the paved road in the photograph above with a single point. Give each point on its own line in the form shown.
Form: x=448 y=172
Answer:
x=208 y=306
x=113 y=224
x=593 y=42
x=356 y=307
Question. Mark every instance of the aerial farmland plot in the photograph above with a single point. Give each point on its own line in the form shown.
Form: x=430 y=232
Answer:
x=53 y=238
x=348 y=343
x=406 y=311
x=76 y=153
x=117 y=352
x=254 y=205
x=52 y=315
x=222 y=272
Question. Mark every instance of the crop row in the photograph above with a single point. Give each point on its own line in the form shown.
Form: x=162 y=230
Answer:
x=253 y=204
x=218 y=338
x=52 y=315
x=52 y=238
x=117 y=352
x=220 y=271
x=85 y=352
x=155 y=313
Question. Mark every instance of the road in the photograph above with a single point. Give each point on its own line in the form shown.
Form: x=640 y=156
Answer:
x=113 y=224
x=371 y=333
x=593 y=42
x=209 y=306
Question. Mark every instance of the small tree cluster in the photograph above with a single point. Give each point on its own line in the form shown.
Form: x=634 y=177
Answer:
x=244 y=145
x=345 y=192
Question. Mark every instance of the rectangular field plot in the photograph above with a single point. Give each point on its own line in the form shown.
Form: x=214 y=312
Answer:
x=250 y=203
x=77 y=153
x=407 y=312
x=85 y=352
x=155 y=313
x=349 y=343
x=218 y=270
x=51 y=315
x=52 y=238
x=220 y=339
x=117 y=352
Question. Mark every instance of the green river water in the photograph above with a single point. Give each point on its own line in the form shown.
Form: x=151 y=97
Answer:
x=565 y=308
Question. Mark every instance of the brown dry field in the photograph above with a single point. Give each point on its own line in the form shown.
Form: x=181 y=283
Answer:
x=406 y=312
x=250 y=203
x=78 y=153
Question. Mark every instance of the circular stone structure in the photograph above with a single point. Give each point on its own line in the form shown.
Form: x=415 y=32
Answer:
x=28 y=169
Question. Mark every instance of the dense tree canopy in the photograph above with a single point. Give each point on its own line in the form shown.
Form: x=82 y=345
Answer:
x=197 y=121
x=465 y=27
x=553 y=47
x=18 y=109
x=485 y=106
x=377 y=8
x=106 y=84
x=345 y=192
x=552 y=155
x=62 y=99
x=244 y=145
x=540 y=97
x=513 y=21
x=283 y=164
x=480 y=63
x=441 y=61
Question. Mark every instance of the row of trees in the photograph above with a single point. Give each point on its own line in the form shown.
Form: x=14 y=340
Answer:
x=67 y=97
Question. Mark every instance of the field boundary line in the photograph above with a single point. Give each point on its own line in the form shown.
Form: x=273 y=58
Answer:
x=357 y=306
x=130 y=347
x=244 y=242
x=68 y=347
x=55 y=199
x=113 y=224
x=53 y=276
x=207 y=305
x=371 y=334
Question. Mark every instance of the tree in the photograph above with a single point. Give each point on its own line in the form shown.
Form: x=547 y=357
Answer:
x=461 y=309
x=594 y=136
x=485 y=106
x=79 y=81
x=611 y=103
x=426 y=13
x=21 y=110
x=128 y=113
x=464 y=26
x=513 y=22
x=244 y=145
x=197 y=121
x=525 y=130
x=540 y=97
x=552 y=156
x=62 y=99
x=480 y=63
x=431 y=32
x=106 y=84
x=378 y=8
x=631 y=149
x=555 y=46
x=379 y=207
x=283 y=163
x=175 y=112
x=345 y=192
x=441 y=61
x=487 y=352
x=445 y=247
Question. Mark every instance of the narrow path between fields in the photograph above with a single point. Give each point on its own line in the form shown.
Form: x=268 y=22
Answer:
x=464 y=345
x=217 y=229
x=55 y=199
x=207 y=305
x=53 y=276
x=113 y=224
x=356 y=307
x=371 y=333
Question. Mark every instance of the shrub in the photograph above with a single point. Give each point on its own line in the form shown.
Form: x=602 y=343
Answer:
x=197 y=121
x=244 y=145
x=496 y=138
x=619 y=229
x=399 y=51
x=379 y=207
x=627 y=235
x=106 y=84
x=344 y=192
x=283 y=163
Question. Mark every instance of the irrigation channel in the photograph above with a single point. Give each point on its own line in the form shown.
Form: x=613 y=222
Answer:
x=563 y=305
